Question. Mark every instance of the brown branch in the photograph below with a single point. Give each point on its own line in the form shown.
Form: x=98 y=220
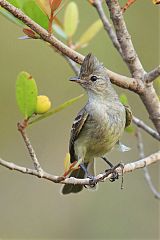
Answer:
x=152 y=75
x=129 y=53
x=100 y=177
x=152 y=104
x=130 y=83
x=148 y=95
x=146 y=128
x=146 y=172
x=107 y=26
x=37 y=166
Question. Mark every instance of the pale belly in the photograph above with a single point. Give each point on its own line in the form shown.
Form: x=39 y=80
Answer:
x=96 y=139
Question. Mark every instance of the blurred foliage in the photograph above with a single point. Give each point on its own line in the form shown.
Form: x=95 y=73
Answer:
x=44 y=12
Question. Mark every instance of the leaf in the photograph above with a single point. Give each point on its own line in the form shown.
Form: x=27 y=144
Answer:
x=130 y=129
x=55 y=110
x=76 y=166
x=54 y=4
x=67 y=162
x=17 y=3
x=30 y=33
x=31 y=9
x=45 y=6
x=89 y=33
x=71 y=19
x=26 y=94
x=123 y=99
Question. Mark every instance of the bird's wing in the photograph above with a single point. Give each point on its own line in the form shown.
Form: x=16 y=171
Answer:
x=76 y=129
x=128 y=116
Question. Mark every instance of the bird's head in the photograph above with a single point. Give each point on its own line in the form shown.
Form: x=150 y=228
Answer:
x=93 y=76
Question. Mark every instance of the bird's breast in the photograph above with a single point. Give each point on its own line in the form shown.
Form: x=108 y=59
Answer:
x=102 y=130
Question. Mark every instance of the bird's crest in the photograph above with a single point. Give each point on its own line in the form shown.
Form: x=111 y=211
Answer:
x=90 y=65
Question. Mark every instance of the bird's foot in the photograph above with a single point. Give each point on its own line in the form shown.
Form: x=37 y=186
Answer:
x=92 y=181
x=115 y=174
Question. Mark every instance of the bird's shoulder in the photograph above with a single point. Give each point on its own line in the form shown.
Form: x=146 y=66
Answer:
x=76 y=129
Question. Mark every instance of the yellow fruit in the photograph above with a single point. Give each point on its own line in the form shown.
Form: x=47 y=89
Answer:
x=43 y=104
x=156 y=1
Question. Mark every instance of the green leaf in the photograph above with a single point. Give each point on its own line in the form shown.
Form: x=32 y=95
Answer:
x=26 y=94
x=55 y=110
x=123 y=99
x=17 y=3
x=130 y=129
x=89 y=33
x=45 y=6
x=31 y=9
x=71 y=19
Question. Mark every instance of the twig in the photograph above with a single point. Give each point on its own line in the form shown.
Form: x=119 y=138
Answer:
x=31 y=151
x=146 y=128
x=101 y=177
x=127 y=5
x=107 y=26
x=146 y=172
x=129 y=53
x=152 y=75
x=130 y=83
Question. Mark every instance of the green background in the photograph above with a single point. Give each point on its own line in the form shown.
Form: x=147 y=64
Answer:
x=34 y=208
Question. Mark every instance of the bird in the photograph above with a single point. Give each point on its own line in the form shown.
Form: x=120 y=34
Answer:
x=100 y=123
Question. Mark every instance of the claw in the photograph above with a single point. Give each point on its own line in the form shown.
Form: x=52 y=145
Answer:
x=114 y=173
x=92 y=182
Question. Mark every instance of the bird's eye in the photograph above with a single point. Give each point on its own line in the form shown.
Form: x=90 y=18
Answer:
x=93 y=78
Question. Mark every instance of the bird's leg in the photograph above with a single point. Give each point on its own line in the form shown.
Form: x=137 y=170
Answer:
x=93 y=181
x=108 y=162
x=112 y=170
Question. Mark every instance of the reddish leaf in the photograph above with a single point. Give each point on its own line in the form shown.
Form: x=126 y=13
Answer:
x=127 y=5
x=54 y=4
x=30 y=33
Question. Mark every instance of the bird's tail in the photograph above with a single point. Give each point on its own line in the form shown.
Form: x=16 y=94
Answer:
x=79 y=173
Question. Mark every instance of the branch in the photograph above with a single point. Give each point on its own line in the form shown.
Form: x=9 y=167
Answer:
x=152 y=75
x=101 y=177
x=146 y=128
x=107 y=26
x=21 y=129
x=129 y=83
x=152 y=104
x=129 y=53
x=146 y=173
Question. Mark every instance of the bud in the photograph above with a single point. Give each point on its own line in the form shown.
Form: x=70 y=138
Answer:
x=43 y=104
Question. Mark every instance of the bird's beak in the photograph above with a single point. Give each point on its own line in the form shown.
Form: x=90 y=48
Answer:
x=75 y=79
